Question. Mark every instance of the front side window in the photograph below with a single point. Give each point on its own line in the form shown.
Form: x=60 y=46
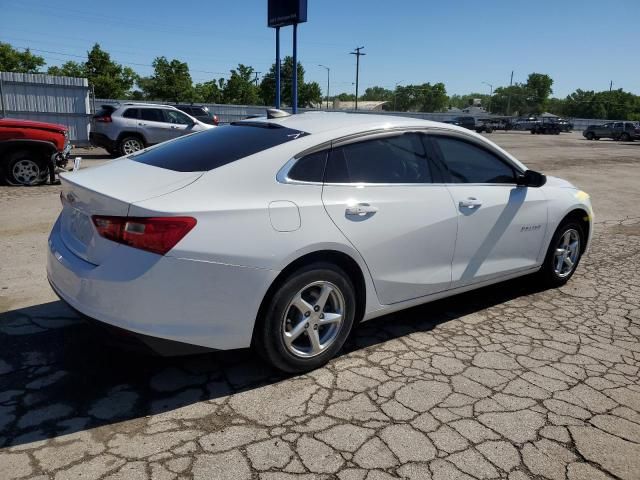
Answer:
x=469 y=163
x=398 y=159
x=176 y=117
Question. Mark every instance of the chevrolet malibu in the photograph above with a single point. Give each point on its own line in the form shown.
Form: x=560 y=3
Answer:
x=282 y=232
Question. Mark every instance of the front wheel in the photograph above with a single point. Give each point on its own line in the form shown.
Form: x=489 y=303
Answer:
x=590 y=136
x=308 y=319
x=563 y=255
x=625 y=137
x=26 y=168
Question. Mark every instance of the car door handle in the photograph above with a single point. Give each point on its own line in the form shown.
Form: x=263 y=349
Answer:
x=142 y=124
x=471 y=202
x=361 y=209
x=174 y=126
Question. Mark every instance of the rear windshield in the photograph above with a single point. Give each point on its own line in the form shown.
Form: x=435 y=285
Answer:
x=213 y=148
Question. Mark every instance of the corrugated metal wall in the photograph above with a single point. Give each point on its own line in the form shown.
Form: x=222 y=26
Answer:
x=48 y=98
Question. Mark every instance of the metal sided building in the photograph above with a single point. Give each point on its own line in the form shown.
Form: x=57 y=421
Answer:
x=48 y=98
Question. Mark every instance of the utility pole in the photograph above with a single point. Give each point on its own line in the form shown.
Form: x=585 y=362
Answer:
x=610 y=86
x=357 y=53
x=256 y=79
x=328 y=70
x=490 y=95
x=509 y=98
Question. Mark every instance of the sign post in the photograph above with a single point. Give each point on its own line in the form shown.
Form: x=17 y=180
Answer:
x=282 y=13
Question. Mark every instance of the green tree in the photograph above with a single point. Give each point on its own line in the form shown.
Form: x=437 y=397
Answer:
x=308 y=93
x=12 y=60
x=108 y=78
x=346 y=97
x=421 y=98
x=464 y=101
x=209 y=92
x=240 y=89
x=538 y=88
x=171 y=81
x=376 y=93
x=68 y=69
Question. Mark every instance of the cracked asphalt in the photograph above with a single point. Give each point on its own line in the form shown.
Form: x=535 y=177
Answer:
x=508 y=382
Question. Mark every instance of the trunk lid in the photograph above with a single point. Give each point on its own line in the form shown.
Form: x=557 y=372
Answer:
x=109 y=189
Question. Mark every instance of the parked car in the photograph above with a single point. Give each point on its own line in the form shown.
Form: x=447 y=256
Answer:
x=524 y=123
x=200 y=112
x=31 y=151
x=565 y=125
x=625 y=131
x=283 y=232
x=546 y=126
x=465 y=121
x=127 y=128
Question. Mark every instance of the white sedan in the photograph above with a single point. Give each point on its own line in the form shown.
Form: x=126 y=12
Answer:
x=283 y=231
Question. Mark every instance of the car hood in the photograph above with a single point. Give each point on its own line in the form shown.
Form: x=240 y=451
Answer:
x=17 y=123
x=558 y=182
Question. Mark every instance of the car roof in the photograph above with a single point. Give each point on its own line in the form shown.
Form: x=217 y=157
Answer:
x=147 y=105
x=348 y=123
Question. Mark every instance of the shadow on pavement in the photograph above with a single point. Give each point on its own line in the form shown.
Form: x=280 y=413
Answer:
x=57 y=376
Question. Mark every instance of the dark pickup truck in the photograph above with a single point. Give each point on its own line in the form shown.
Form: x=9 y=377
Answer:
x=624 y=131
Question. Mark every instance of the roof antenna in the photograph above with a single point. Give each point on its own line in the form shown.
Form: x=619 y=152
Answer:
x=277 y=113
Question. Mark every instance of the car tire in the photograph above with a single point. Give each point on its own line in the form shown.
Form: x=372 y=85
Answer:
x=590 y=136
x=559 y=267
x=295 y=341
x=26 y=168
x=130 y=144
x=624 y=137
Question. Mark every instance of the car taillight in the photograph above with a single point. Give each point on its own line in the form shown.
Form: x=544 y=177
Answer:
x=103 y=119
x=153 y=234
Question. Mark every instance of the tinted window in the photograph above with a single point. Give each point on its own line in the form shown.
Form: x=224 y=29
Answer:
x=151 y=114
x=174 y=116
x=309 y=168
x=468 y=163
x=400 y=159
x=199 y=111
x=130 y=113
x=185 y=109
x=216 y=147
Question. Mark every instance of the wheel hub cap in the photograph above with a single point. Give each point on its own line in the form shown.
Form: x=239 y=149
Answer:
x=313 y=319
x=26 y=172
x=567 y=252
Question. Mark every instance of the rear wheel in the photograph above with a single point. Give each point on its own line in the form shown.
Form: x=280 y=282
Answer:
x=26 y=167
x=308 y=319
x=129 y=145
x=625 y=137
x=563 y=256
x=590 y=136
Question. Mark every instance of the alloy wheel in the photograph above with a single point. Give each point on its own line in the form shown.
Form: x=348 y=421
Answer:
x=566 y=253
x=131 y=145
x=27 y=172
x=313 y=319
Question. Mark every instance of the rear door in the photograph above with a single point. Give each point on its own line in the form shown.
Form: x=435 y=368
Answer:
x=386 y=197
x=501 y=226
x=153 y=126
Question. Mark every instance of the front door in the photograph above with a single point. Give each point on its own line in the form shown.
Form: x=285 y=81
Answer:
x=381 y=193
x=178 y=123
x=153 y=126
x=501 y=226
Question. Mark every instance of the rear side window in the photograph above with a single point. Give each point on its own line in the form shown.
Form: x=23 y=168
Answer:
x=188 y=110
x=309 y=168
x=468 y=163
x=130 y=113
x=399 y=159
x=219 y=146
x=151 y=114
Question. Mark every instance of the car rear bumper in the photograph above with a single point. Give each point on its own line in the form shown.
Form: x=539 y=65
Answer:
x=196 y=303
x=101 y=140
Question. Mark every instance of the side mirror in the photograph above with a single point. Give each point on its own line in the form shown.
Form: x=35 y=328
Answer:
x=531 y=178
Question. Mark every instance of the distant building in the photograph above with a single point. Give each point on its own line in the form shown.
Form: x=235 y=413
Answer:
x=362 y=105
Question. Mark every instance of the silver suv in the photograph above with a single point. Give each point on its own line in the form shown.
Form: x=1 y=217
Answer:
x=129 y=127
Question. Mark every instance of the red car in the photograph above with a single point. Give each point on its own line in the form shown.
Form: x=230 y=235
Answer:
x=30 y=151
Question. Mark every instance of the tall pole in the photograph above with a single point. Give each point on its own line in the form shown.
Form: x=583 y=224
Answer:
x=490 y=95
x=395 y=93
x=277 y=67
x=509 y=97
x=328 y=69
x=357 y=53
x=256 y=79
x=294 y=81
x=610 y=85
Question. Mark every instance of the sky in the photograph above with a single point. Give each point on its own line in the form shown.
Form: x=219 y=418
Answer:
x=464 y=44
